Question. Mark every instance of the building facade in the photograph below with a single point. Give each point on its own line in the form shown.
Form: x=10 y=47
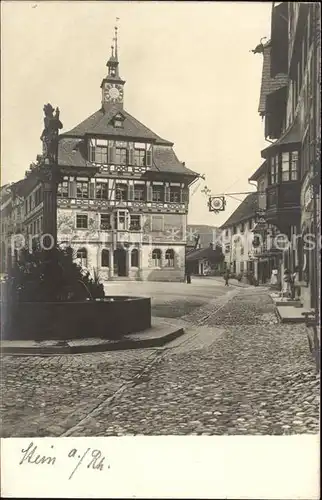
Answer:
x=237 y=235
x=122 y=202
x=290 y=106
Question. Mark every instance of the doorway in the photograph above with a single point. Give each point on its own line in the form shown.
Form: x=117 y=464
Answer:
x=119 y=262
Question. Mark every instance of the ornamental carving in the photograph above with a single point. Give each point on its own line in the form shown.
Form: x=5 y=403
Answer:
x=49 y=136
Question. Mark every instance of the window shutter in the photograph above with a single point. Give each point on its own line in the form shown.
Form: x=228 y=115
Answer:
x=131 y=192
x=148 y=159
x=149 y=192
x=91 y=190
x=131 y=156
x=167 y=194
x=72 y=189
x=111 y=154
x=91 y=153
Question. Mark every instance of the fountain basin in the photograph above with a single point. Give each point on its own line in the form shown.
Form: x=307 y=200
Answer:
x=110 y=318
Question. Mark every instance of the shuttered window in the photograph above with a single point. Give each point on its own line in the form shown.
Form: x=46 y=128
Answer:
x=148 y=160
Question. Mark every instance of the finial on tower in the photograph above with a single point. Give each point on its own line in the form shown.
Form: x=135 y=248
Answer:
x=115 y=36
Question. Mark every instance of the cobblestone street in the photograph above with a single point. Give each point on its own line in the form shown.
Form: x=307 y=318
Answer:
x=235 y=371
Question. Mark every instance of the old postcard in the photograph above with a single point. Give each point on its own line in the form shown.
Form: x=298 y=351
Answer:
x=160 y=249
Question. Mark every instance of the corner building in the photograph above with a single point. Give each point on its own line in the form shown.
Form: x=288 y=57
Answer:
x=123 y=201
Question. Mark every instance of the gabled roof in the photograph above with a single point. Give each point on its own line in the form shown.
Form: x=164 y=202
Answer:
x=72 y=152
x=260 y=171
x=244 y=211
x=269 y=84
x=100 y=123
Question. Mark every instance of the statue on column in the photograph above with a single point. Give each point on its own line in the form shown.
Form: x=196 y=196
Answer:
x=49 y=137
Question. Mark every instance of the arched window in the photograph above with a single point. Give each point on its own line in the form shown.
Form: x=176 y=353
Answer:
x=82 y=257
x=156 y=257
x=135 y=258
x=105 y=259
x=169 y=258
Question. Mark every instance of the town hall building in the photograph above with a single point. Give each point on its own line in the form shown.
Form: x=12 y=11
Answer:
x=123 y=200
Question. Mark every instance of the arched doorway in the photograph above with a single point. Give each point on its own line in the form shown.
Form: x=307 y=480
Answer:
x=119 y=262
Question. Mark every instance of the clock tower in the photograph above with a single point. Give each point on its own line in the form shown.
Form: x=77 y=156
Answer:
x=112 y=85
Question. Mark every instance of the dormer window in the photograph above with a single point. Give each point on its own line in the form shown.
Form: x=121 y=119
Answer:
x=118 y=121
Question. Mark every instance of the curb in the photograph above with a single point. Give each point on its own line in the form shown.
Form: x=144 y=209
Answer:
x=121 y=345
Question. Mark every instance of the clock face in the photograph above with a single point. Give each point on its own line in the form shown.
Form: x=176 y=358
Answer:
x=113 y=93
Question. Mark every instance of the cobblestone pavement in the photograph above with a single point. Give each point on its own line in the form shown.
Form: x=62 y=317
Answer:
x=236 y=371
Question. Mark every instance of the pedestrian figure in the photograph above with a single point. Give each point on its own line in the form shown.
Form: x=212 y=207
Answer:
x=188 y=276
x=226 y=278
x=286 y=284
x=295 y=288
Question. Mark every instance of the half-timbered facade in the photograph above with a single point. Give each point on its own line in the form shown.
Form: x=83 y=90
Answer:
x=123 y=199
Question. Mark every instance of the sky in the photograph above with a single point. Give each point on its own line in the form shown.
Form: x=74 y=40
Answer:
x=190 y=77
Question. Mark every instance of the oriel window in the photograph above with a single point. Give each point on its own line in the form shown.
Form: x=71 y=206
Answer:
x=294 y=165
x=274 y=170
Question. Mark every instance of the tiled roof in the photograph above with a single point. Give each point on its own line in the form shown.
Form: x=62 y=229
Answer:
x=291 y=136
x=205 y=253
x=244 y=211
x=165 y=160
x=72 y=152
x=260 y=171
x=269 y=84
x=100 y=123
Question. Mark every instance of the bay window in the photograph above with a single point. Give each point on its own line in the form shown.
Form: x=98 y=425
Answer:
x=290 y=166
x=274 y=170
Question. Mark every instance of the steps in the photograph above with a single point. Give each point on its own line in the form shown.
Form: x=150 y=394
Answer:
x=291 y=314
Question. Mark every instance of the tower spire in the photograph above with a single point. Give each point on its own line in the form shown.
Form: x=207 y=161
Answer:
x=112 y=85
x=115 y=40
